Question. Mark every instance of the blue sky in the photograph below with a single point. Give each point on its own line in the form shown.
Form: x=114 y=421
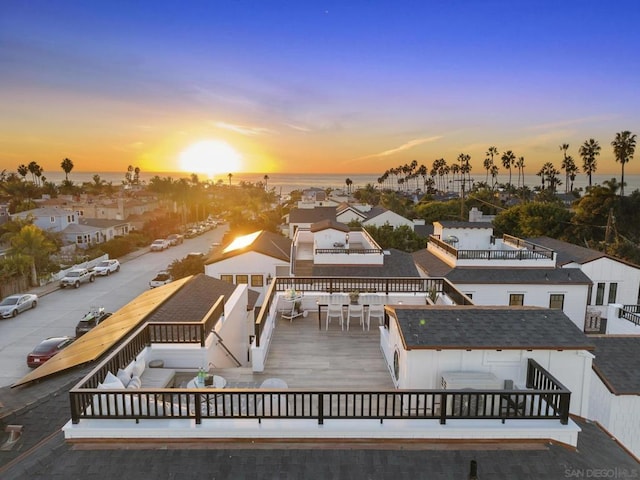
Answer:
x=344 y=87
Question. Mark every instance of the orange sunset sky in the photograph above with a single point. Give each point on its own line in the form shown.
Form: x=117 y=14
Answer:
x=313 y=87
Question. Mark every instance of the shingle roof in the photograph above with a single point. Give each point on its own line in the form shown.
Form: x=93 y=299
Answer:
x=312 y=215
x=375 y=211
x=536 y=276
x=396 y=264
x=617 y=363
x=268 y=243
x=76 y=228
x=45 y=212
x=464 y=327
x=568 y=252
x=430 y=264
x=329 y=223
x=101 y=222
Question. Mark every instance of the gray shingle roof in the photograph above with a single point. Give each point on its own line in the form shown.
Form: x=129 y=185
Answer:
x=329 y=223
x=536 y=276
x=617 y=363
x=568 y=252
x=460 y=327
x=312 y=215
x=375 y=211
x=430 y=264
x=267 y=243
x=101 y=222
x=396 y=264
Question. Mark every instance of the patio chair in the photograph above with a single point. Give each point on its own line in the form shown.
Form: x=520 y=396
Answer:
x=334 y=309
x=356 y=310
x=375 y=311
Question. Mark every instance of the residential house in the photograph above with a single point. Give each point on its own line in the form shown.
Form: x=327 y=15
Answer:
x=305 y=217
x=51 y=219
x=507 y=271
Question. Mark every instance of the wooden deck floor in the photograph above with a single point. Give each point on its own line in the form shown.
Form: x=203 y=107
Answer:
x=308 y=358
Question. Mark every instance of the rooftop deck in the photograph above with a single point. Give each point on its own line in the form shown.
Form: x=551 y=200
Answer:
x=309 y=358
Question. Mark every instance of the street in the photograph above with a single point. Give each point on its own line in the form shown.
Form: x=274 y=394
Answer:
x=58 y=312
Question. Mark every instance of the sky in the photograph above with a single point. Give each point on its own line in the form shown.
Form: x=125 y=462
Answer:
x=313 y=86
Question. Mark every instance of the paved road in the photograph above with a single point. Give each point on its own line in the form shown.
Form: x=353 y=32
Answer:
x=59 y=311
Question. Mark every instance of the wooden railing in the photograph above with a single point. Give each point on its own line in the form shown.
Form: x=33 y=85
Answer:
x=550 y=402
x=631 y=313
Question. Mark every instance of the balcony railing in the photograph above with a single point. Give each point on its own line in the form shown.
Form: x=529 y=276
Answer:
x=631 y=313
x=348 y=251
x=548 y=399
x=525 y=251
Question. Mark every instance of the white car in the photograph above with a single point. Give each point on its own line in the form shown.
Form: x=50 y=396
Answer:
x=107 y=267
x=162 y=278
x=159 y=245
x=75 y=277
x=15 y=304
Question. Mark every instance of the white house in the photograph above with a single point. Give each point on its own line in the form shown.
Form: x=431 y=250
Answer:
x=425 y=346
x=305 y=217
x=506 y=271
x=615 y=388
x=252 y=259
x=51 y=219
x=614 y=280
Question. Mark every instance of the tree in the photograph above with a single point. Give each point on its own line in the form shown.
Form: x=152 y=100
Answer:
x=266 y=180
x=23 y=170
x=520 y=166
x=533 y=219
x=230 y=175
x=31 y=241
x=624 y=146
x=67 y=166
x=589 y=150
x=349 y=182
x=508 y=159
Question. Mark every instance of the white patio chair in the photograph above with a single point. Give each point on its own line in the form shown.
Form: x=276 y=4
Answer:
x=334 y=309
x=375 y=311
x=356 y=310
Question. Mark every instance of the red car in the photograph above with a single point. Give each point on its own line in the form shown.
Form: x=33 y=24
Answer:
x=47 y=349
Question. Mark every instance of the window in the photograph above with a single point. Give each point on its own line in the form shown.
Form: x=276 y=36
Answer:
x=556 y=300
x=227 y=278
x=516 y=299
x=257 y=280
x=470 y=295
x=79 y=239
x=600 y=294
x=242 y=279
x=52 y=219
x=613 y=292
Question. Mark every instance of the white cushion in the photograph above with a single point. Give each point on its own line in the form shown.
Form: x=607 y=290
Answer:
x=129 y=369
x=138 y=368
x=111 y=378
x=123 y=376
x=135 y=382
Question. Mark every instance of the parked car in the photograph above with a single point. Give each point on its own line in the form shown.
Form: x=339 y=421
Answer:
x=175 y=239
x=159 y=245
x=93 y=317
x=162 y=278
x=107 y=267
x=47 y=349
x=75 y=277
x=15 y=304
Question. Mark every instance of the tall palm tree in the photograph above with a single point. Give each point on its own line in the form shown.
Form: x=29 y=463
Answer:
x=565 y=165
x=230 y=175
x=624 y=146
x=494 y=175
x=520 y=166
x=508 y=159
x=487 y=164
x=589 y=150
x=67 y=166
x=266 y=179
x=23 y=170
x=349 y=182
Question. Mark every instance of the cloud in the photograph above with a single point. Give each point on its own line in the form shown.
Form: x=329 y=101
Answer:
x=298 y=127
x=405 y=146
x=244 y=129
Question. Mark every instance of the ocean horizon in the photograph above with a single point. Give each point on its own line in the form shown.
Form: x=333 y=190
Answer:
x=284 y=183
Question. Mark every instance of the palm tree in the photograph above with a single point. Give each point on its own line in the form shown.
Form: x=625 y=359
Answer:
x=266 y=179
x=67 y=166
x=487 y=164
x=508 y=159
x=33 y=168
x=589 y=150
x=566 y=165
x=624 y=146
x=230 y=175
x=494 y=175
x=349 y=182
x=23 y=170
x=520 y=166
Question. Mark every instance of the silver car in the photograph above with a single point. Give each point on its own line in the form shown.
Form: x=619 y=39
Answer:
x=15 y=304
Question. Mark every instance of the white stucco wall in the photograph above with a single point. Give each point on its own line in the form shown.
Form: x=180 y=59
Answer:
x=389 y=217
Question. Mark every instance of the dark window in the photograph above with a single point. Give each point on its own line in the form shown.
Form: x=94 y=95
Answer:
x=600 y=294
x=516 y=299
x=257 y=280
x=556 y=300
x=242 y=279
x=470 y=295
x=613 y=292
x=227 y=278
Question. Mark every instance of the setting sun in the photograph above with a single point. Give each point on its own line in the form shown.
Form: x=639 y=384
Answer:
x=211 y=157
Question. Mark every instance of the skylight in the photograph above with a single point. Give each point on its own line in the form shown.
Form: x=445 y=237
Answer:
x=241 y=242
